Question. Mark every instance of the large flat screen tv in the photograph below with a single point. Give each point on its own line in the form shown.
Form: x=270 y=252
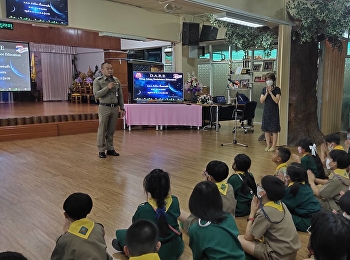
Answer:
x=14 y=66
x=44 y=11
x=158 y=86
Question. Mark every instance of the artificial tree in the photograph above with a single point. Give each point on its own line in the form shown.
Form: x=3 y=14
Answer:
x=314 y=21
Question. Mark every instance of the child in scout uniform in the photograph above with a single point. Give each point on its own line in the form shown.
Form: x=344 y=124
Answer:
x=163 y=210
x=214 y=234
x=270 y=233
x=142 y=241
x=299 y=198
x=216 y=172
x=344 y=204
x=84 y=238
x=280 y=157
x=243 y=184
x=329 y=193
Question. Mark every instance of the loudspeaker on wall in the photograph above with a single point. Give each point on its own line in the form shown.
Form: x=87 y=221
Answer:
x=208 y=33
x=190 y=34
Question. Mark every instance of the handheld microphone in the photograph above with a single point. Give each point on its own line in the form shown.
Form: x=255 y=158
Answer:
x=111 y=78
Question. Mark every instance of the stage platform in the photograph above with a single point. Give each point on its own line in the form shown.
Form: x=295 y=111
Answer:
x=23 y=120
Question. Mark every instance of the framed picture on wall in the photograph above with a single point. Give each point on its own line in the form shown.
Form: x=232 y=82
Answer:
x=257 y=79
x=268 y=65
x=257 y=67
x=244 y=83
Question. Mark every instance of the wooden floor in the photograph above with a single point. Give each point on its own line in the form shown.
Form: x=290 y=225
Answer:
x=37 y=175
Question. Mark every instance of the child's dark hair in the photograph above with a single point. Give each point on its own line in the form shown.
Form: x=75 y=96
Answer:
x=333 y=138
x=206 y=202
x=78 y=205
x=329 y=239
x=306 y=143
x=157 y=183
x=297 y=174
x=8 y=255
x=142 y=238
x=344 y=202
x=242 y=163
x=218 y=170
x=274 y=187
x=341 y=157
x=283 y=153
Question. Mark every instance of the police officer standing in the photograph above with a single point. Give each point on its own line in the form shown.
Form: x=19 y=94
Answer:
x=108 y=90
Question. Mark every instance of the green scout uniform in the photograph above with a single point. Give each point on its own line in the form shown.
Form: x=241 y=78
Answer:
x=309 y=163
x=108 y=111
x=329 y=192
x=302 y=206
x=151 y=256
x=228 y=200
x=173 y=245
x=215 y=241
x=281 y=240
x=243 y=200
x=84 y=240
x=281 y=172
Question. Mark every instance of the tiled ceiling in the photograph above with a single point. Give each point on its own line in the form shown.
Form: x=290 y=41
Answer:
x=179 y=7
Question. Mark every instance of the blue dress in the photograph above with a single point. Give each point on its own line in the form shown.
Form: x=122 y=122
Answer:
x=271 y=115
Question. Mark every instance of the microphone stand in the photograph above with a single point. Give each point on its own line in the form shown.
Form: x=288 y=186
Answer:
x=234 y=141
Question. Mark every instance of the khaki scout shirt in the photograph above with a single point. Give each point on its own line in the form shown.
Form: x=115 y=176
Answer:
x=106 y=95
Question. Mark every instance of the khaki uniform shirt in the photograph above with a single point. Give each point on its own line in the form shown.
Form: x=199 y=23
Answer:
x=106 y=95
x=334 y=186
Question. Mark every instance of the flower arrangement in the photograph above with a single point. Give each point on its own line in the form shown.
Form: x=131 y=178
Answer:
x=89 y=80
x=192 y=84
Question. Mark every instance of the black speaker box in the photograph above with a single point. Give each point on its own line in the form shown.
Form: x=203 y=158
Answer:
x=208 y=33
x=190 y=34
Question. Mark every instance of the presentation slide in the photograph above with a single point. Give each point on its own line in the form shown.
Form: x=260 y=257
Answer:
x=14 y=67
x=54 y=11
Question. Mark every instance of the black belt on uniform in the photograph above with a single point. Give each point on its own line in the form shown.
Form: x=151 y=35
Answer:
x=109 y=104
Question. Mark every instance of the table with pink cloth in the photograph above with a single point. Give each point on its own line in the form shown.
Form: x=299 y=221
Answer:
x=163 y=115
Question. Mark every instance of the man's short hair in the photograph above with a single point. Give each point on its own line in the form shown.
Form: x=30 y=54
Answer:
x=284 y=154
x=78 y=205
x=142 y=238
x=333 y=138
x=103 y=63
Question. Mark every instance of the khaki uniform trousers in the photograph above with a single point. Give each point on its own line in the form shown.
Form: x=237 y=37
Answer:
x=107 y=117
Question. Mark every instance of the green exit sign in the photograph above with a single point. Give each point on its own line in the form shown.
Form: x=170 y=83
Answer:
x=6 y=25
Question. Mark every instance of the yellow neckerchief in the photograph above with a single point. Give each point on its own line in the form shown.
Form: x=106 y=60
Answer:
x=81 y=228
x=149 y=256
x=338 y=147
x=290 y=184
x=281 y=166
x=240 y=172
x=168 y=200
x=342 y=173
x=274 y=204
x=222 y=186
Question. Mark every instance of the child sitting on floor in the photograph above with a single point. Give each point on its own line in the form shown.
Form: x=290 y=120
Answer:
x=142 y=241
x=280 y=157
x=84 y=238
x=344 y=204
x=243 y=184
x=270 y=219
x=216 y=172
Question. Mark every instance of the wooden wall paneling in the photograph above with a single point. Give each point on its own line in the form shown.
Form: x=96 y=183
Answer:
x=86 y=38
x=8 y=133
x=68 y=128
x=68 y=37
x=332 y=89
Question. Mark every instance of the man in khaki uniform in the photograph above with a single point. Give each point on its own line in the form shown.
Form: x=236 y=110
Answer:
x=108 y=90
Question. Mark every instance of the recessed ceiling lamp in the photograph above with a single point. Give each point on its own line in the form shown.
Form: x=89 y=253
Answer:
x=241 y=20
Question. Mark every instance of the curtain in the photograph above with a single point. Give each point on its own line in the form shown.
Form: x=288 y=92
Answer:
x=52 y=48
x=56 y=75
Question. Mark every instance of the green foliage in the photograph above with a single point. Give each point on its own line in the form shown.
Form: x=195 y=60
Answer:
x=245 y=38
x=320 y=19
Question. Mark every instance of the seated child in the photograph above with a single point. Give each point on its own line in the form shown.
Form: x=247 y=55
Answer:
x=162 y=209
x=216 y=172
x=270 y=219
x=214 y=234
x=243 y=184
x=8 y=255
x=280 y=157
x=329 y=193
x=84 y=238
x=299 y=198
x=347 y=142
x=344 y=204
x=329 y=239
x=142 y=241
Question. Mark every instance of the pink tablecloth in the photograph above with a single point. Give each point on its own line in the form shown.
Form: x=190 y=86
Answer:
x=163 y=114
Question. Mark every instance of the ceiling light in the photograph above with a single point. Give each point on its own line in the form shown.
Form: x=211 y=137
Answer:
x=123 y=36
x=241 y=20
